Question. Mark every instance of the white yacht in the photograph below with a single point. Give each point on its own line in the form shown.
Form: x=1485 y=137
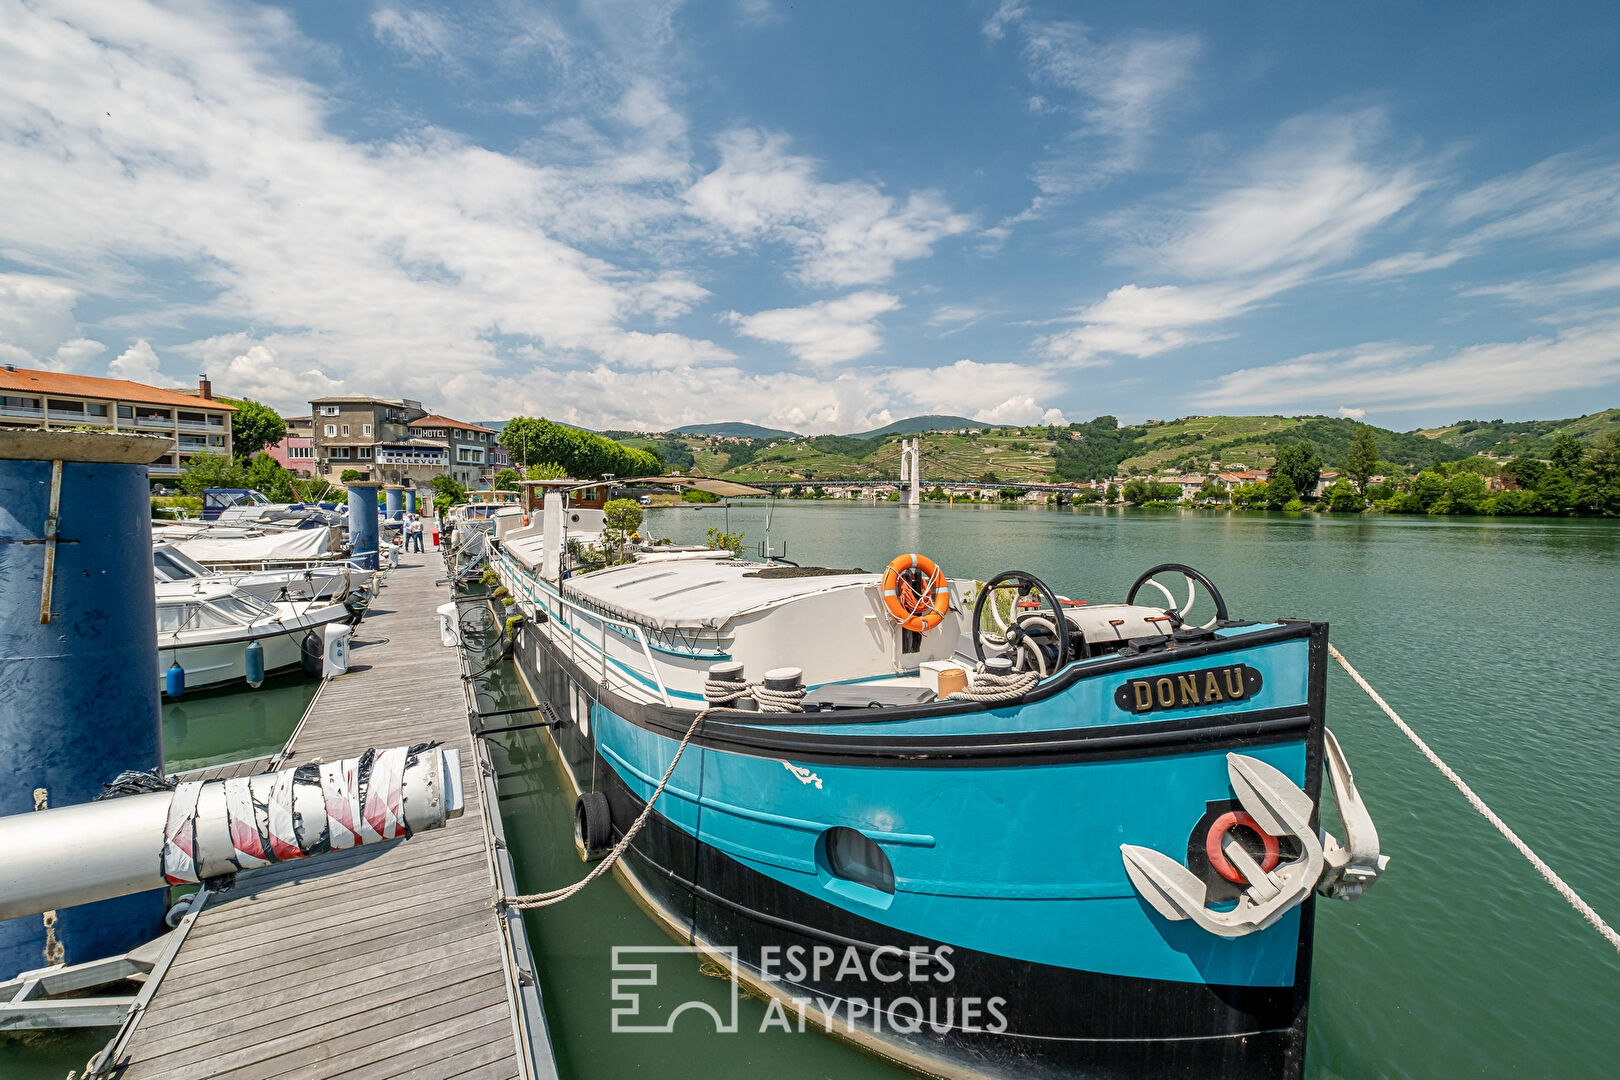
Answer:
x=328 y=582
x=207 y=630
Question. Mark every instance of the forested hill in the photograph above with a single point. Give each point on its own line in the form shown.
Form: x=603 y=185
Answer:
x=1101 y=448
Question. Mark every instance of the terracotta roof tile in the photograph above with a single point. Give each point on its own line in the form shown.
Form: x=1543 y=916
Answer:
x=435 y=420
x=55 y=382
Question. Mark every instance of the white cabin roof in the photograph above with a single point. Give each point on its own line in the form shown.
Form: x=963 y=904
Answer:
x=702 y=593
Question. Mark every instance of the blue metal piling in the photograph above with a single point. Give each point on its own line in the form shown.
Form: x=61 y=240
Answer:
x=79 y=699
x=363 y=524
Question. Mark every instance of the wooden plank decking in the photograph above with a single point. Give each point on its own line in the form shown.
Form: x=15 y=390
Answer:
x=380 y=961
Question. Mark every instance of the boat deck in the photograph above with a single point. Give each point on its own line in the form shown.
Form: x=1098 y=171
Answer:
x=383 y=960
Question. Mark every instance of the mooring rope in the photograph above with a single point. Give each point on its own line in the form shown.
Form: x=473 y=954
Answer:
x=557 y=896
x=1477 y=803
x=989 y=688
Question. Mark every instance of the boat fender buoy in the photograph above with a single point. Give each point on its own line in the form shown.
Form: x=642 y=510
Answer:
x=174 y=680
x=1217 y=858
x=178 y=911
x=916 y=608
x=253 y=664
x=593 y=826
x=311 y=655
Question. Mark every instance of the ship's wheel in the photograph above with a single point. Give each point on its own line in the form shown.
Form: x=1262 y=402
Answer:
x=1017 y=616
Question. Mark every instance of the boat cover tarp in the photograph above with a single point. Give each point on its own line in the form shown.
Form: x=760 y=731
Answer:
x=698 y=594
x=296 y=544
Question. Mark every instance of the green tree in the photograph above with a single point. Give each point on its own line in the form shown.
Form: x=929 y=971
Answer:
x=1301 y=464
x=1136 y=491
x=1466 y=492
x=584 y=454
x=1526 y=471
x=254 y=427
x=507 y=480
x=988 y=477
x=446 y=492
x=726 y=541
x=1428 y=488
x=269 y=477
x=1280 y=491
x=1111 y=494
x=545 y=470
x=1343 y=498
x=1567 y=454
x=620 y=518
x=203 y=471
x=1598 y=489
x=1361 y=464
x=1555 y=494
x=1513 y=503
x=693 y=495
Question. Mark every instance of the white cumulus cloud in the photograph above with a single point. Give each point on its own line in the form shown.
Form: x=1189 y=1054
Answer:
x=826 y=332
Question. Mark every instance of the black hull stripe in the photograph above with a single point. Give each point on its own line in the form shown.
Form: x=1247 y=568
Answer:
x=1226 y=731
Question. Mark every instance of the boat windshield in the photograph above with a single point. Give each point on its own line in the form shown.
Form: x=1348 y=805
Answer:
x=170 y=565
x=190 y=616
x=243 y=608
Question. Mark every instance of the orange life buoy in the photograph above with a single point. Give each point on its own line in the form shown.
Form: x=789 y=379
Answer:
x=1217 y=858
x=915 y=592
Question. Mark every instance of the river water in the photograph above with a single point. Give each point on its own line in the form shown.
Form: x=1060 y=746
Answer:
x=1495 y=639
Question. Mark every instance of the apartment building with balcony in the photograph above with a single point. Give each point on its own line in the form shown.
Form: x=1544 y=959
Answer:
x=348 y=432
x=296 y=450
x=51 y=399
x=469 y=448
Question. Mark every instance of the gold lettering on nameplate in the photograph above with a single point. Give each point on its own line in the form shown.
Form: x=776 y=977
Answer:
x=1189 y=689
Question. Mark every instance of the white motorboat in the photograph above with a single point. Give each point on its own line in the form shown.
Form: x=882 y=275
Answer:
x=209 y=632
x=330 y=582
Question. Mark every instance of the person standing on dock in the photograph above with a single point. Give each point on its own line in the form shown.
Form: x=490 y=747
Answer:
x=413 y=532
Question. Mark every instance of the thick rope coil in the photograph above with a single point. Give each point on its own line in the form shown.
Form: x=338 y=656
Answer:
x=1558 y=883
x=724 y=695
x=985 y=687
x=779 y=701
x=557 y=896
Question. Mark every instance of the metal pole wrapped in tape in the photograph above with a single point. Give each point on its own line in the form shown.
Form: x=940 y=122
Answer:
x=208 y=829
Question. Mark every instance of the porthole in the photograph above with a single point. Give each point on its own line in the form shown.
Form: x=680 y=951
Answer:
x=855 y=857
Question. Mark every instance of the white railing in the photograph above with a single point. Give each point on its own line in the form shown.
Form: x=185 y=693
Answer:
x=520 y=581
x=72 y=417
x=21 y=410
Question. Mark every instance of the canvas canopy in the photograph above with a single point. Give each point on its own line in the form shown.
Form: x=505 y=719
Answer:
x=700 y=594
x=296 y=544
x=726 y=489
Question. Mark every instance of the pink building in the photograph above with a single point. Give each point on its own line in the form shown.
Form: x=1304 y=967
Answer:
x=296 y=451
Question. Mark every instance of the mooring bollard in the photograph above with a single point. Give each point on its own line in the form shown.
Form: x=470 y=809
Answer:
x=78 y=658
x=363 y=524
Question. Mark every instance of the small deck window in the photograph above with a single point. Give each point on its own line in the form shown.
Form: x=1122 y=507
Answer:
x=855 y=857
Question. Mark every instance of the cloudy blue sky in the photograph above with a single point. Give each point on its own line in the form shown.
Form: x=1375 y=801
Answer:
x=822 y=215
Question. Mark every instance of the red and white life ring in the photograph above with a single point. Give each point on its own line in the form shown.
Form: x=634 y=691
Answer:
x=915 y=592
x=1217 y=858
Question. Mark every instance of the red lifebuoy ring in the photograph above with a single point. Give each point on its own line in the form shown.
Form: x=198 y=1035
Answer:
x=1217 y=858
x=918 y=606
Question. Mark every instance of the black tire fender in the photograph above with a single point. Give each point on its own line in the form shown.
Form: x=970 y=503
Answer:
x=593 y=826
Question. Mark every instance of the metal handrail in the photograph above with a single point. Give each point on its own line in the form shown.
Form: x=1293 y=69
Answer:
x=602 y=621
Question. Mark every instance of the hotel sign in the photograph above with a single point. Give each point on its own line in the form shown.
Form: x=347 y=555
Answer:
x=1188 y=689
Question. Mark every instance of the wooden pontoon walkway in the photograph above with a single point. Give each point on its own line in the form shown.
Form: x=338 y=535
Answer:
x=380 y=961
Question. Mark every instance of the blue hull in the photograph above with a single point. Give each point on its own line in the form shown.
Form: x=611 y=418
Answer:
x=1001 y=830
